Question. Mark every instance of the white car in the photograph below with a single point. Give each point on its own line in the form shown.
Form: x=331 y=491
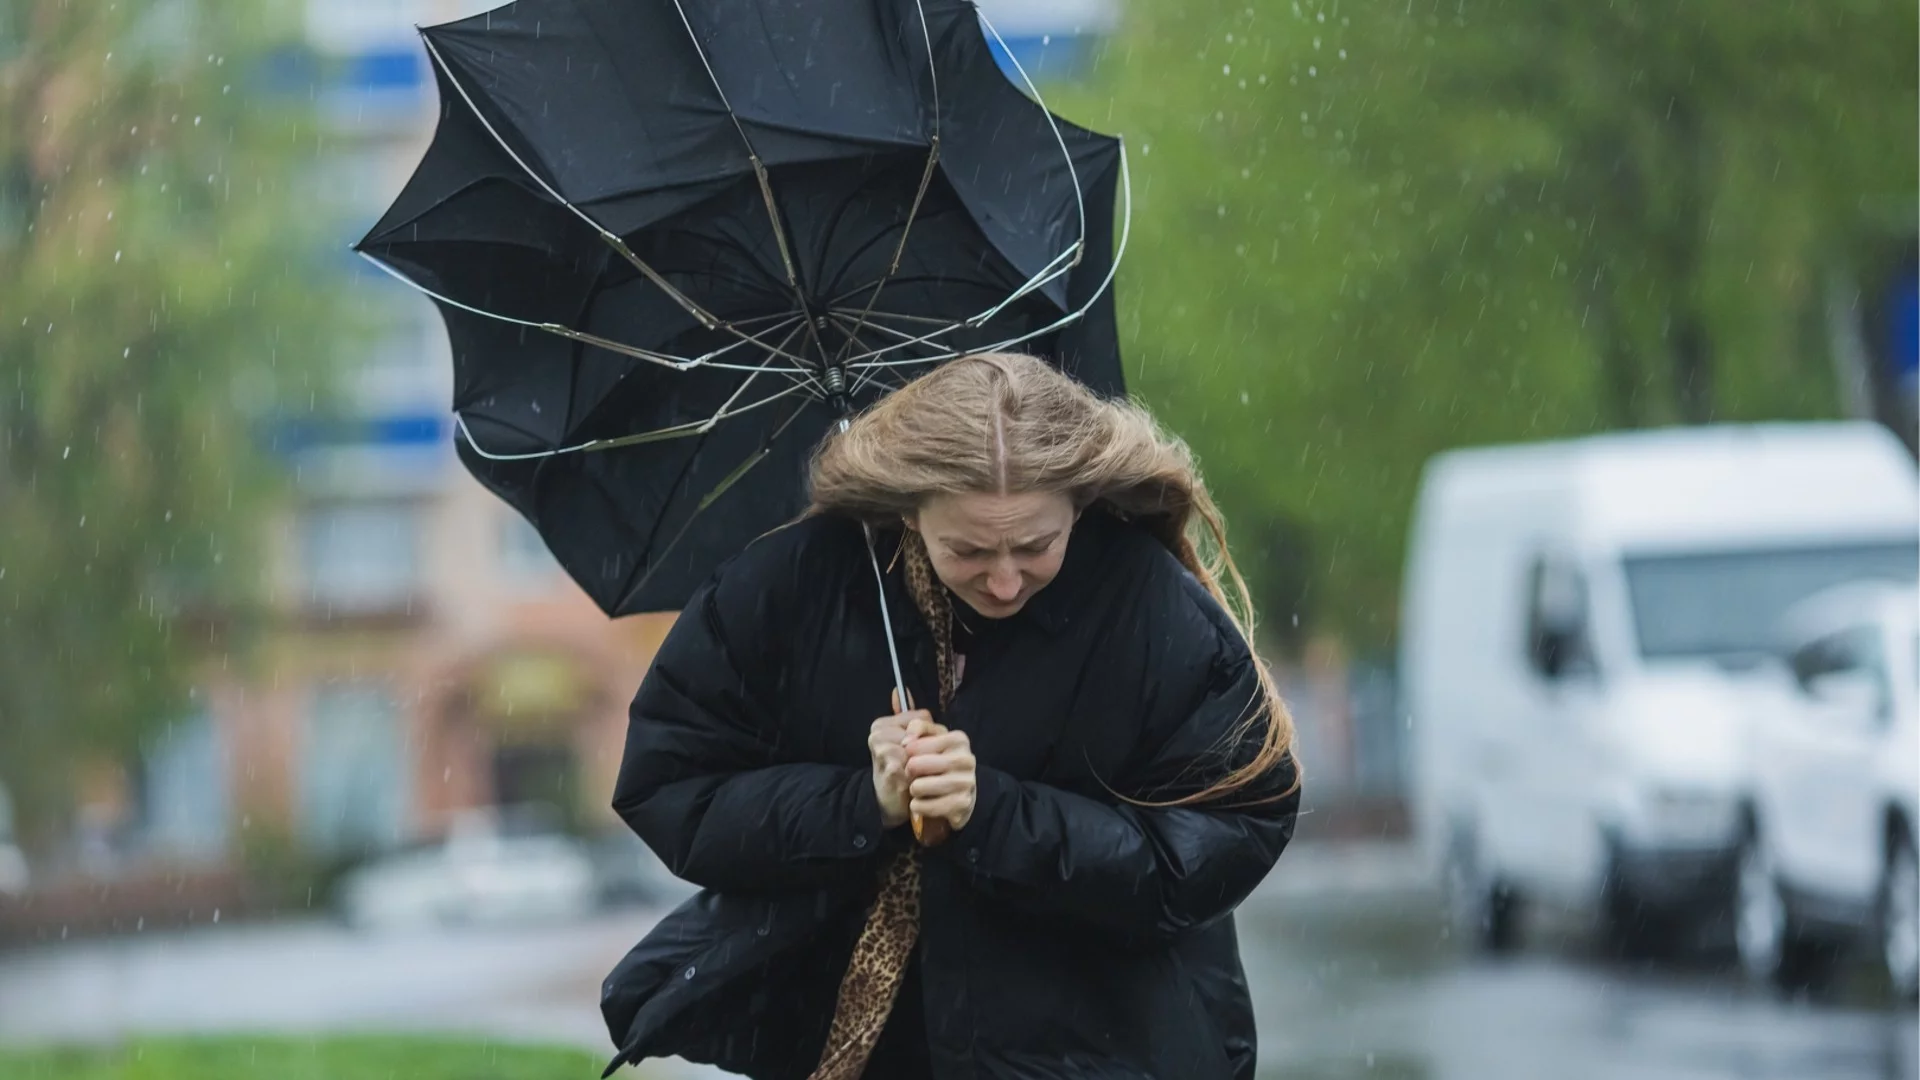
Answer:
x=1829 y=857
x=1580 y=626
x=481 y=873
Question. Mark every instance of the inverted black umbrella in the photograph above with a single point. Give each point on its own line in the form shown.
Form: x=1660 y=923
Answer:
x=673 y=242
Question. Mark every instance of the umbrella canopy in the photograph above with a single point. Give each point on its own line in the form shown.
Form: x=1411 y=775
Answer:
x=674 y=242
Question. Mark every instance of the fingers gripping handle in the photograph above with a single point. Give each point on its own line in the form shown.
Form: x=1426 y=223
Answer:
x=930 y=832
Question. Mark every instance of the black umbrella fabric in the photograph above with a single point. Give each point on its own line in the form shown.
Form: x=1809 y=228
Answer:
x=675 y=242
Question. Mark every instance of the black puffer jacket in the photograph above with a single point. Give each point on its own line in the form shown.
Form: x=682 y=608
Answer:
x=1065 y=932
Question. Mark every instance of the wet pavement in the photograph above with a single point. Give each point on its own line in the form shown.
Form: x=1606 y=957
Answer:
x=1352 y=975
x=1371 y=990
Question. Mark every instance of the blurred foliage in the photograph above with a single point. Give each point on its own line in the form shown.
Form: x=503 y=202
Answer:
x=1367 y=232
x=159 y=298
x=340 y=1058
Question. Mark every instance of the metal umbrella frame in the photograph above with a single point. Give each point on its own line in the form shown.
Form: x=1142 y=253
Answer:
x=833 y=379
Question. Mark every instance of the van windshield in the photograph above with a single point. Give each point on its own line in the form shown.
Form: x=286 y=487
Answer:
x=1729 y=604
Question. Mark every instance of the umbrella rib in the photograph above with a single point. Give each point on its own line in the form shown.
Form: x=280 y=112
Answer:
x=899 y=249
x=667 y=360
x=919 y=196
x=872 y=371
x=760 y=176
x=691 y=427
x=675 y=431
x=611 y=239
x=1073 y=173
x=726 y=483
x=923 y=319
x=1053 y=269
x=1120 y=250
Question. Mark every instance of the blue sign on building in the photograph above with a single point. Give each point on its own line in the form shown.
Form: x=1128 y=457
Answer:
x=1903 y=325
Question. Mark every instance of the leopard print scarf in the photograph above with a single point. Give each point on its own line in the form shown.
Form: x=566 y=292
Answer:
x=886 y=943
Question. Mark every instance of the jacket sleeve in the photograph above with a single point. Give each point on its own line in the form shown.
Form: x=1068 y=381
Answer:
x=1147 y=873
x=699 y=781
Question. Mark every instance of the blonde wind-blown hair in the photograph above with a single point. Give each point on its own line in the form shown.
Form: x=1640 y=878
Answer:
x=1005 y=423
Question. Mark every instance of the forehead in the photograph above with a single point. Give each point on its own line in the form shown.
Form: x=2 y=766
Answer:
x=989 y=518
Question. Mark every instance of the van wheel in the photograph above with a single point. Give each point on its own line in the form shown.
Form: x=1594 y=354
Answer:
x=1630 y=929
x=1773 y=950
x=1900 y=917
x=1485 y=912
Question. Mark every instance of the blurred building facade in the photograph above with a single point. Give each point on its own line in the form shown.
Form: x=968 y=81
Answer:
x=426 y=654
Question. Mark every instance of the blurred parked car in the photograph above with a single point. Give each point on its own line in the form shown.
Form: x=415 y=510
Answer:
x=628 y=872
x=1582 y=620
x=492 y=867
x=13 y=864
x=1829 y=857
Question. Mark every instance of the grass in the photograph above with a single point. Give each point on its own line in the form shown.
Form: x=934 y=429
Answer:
x=274 y=1058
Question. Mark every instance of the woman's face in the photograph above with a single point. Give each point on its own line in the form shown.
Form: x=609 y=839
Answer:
x=996 y=551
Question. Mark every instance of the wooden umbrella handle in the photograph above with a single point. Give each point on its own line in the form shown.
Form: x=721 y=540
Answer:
x=928 y=833
x=931 y=833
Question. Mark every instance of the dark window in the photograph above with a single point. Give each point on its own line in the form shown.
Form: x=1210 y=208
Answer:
x=1558 y=644
x=1729 y=604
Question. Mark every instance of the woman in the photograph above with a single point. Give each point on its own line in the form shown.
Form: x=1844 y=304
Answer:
x=1110 y=766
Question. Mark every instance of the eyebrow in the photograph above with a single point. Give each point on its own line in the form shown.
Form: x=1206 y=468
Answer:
x=1037 y=540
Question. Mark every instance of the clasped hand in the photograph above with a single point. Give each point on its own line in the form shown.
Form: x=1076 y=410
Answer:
x=920 y=767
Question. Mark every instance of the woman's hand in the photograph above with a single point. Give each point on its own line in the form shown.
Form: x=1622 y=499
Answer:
x=886 y=742
x=940 y=772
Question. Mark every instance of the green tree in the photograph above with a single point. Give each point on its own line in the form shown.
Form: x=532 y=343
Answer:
x=1367 y=232
x=158 y=294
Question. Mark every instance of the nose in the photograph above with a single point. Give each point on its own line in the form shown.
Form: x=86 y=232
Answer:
x=1003 y=582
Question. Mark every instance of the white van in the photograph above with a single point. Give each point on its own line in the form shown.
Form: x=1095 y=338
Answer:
x=1578 y=619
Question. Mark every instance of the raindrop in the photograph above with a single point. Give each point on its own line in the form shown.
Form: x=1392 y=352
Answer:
x=196 y=121
x=1263 y=80
x=116 y=256
x=1244 y=398
x=1343 y=54
x=65 y=452
x=1316 y=44
x=1312 y=72
x=1226 y=69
